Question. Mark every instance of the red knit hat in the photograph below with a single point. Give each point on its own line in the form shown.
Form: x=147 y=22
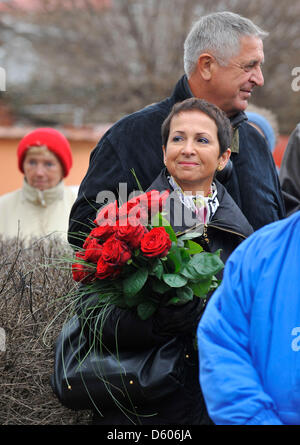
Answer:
x=55 y=142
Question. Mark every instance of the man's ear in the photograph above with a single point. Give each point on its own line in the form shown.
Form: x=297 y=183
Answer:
x=204 y=65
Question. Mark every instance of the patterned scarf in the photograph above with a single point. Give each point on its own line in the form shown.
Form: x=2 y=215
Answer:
x=203 y=206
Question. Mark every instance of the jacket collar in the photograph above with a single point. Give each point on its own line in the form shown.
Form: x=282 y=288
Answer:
x=238 y=119
x=182 y=91
x=228 y=216
x=42 y=198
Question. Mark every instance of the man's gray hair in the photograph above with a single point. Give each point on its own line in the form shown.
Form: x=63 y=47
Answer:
x=220 y=34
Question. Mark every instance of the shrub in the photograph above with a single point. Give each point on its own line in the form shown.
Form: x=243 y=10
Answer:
x=32 y=284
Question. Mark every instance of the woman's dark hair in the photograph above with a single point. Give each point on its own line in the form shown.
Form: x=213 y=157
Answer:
x=218 y=116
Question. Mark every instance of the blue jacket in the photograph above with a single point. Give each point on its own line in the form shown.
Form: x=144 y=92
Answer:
x=249 y=335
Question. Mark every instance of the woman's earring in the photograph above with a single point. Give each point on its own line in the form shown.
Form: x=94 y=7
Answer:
x=219 y=168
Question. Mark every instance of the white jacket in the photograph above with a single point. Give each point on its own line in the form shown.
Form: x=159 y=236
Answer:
x=29 y=212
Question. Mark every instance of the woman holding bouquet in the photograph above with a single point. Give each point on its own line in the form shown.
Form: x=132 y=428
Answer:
x=196 y=140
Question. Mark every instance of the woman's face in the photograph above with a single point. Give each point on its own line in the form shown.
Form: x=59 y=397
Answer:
x=42 y=170
x=192 y=154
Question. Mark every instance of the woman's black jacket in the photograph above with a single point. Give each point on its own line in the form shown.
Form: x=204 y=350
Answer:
x=185 y=407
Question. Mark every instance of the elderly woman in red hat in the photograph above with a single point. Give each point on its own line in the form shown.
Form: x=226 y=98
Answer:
x=42 y=206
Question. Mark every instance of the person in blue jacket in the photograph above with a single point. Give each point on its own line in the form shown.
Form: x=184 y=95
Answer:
x=249 y=335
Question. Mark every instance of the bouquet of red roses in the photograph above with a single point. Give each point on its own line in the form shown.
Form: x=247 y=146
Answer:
x=132 y=263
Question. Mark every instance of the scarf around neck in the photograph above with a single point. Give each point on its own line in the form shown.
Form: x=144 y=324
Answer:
x=203 y=206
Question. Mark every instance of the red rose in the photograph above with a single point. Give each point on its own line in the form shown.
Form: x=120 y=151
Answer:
x=131 y=234
x=107 y=214
x=126 y=208
x=104 y=270
x=115 y=252
x=156 y=243
x=82 y=272
x=156 y=201
x=101 y=233
x=137 y=216
x=93 y=251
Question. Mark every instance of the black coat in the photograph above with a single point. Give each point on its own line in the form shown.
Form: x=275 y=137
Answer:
x=134 y=142
x=184 y=406
x=289 y=173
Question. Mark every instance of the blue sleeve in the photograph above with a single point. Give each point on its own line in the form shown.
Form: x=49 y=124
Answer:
x=232 y=389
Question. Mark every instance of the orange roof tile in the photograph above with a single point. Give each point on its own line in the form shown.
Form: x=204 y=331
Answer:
x=92 y=133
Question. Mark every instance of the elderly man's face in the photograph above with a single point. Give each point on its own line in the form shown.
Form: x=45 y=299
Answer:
x=231 y=85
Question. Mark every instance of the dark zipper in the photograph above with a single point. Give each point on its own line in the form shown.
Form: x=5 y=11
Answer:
x=226 y=230
x=205 y=227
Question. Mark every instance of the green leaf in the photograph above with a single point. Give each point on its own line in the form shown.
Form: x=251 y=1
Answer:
x=146 y=309
x=171 y=233
x=190 y=272
x=174 y=280
x=185 y=294
x=207 y=264
x=175 y=257
x=185 y=256
x=173 y=300
x=201 y=288
x=157 y=268
x=134 y=282
x=132 y=300
x=159 y=286
x=180 y=243
x=193 y=247
x=189 y=235
x=136 y=178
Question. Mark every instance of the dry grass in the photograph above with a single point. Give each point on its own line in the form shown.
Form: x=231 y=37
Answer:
x=32 y=285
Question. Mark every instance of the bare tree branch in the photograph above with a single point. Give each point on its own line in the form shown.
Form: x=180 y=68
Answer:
x=112 y=61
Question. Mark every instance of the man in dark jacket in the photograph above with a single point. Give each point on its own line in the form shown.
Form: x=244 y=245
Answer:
x=223 y=54
x=289 y=173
